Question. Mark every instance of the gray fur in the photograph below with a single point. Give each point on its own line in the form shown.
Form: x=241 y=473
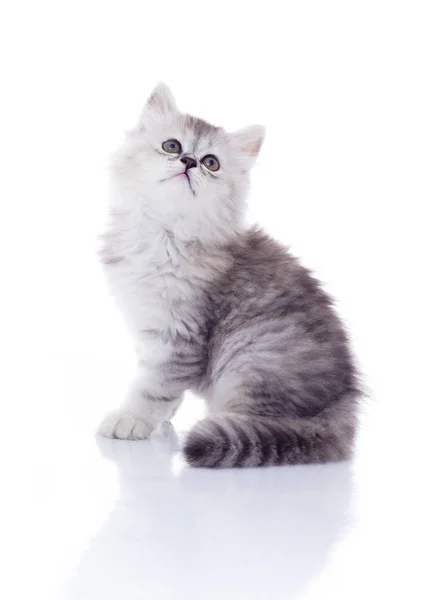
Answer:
x=272 y=329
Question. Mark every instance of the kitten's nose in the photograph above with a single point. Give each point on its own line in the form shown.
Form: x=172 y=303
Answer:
x=189 y=160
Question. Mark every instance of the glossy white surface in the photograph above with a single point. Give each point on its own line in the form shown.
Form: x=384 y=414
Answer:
x=92 y=519
x=348 y=178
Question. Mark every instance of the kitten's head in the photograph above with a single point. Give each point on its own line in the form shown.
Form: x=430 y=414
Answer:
x=187 y=174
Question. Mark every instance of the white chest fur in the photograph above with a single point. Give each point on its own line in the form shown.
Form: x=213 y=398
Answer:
x=156 y=281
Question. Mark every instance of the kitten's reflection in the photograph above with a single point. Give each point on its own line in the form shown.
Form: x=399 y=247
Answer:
x=260 y=533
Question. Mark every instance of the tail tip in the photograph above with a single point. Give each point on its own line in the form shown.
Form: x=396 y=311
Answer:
x=198 y=450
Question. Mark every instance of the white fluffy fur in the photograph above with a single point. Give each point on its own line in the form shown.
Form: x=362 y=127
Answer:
x=160 y=228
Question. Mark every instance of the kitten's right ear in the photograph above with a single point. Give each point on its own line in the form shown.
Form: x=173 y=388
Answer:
x=159 y=106
x=248 y=141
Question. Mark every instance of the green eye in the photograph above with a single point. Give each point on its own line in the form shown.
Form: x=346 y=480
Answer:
x=172 y=147
x=211 y=162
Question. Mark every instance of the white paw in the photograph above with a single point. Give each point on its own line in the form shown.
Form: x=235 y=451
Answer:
x=125 y=425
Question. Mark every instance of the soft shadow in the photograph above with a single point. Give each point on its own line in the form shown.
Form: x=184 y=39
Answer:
x=260 y=533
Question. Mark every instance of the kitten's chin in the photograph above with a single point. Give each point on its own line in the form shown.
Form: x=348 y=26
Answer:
x=180 y=181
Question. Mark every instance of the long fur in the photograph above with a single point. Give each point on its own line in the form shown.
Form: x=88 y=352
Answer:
x=219 y=308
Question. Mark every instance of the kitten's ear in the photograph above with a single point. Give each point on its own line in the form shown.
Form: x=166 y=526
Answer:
x=160 y=104
x=248 y=141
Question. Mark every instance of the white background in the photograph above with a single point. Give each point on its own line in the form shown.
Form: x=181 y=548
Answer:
x=348 y=177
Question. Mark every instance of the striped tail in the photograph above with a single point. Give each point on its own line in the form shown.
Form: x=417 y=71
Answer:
x=235 y=440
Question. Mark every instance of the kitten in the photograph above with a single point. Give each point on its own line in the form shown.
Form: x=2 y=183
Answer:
x=218 y=308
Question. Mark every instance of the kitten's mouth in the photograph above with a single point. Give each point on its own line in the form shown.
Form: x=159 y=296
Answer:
x=180 y=175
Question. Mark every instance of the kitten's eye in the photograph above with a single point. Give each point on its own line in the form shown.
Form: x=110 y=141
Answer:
x=211 y=162
x=172 y=147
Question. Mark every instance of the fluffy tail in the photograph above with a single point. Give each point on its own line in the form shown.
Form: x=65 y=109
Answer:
x=234 y=440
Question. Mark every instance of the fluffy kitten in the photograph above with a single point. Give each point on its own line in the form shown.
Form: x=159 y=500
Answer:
x=218 y=308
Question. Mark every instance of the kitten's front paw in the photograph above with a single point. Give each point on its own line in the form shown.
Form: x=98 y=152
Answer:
x=125 y=425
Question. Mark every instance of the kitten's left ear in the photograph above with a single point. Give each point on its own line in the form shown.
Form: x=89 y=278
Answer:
x=160 y=104
x=248 y=141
